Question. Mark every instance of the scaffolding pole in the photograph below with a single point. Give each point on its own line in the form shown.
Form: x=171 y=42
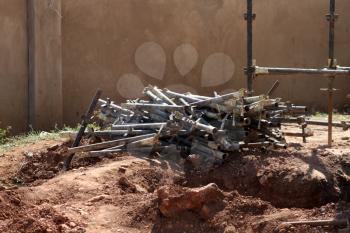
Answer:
x=306 y=71
x=249 y=17
x=331 y=17
x=331 y=71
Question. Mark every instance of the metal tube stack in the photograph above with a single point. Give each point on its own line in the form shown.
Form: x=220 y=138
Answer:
x=204 y=125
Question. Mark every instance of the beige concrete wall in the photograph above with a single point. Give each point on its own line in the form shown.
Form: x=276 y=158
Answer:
x=13 y=65
x=101 y=39
x=297 y=36
x=45 y=64
x=124 y=45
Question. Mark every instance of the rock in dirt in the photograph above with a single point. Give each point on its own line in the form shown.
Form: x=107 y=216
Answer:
x=122 y=170
x=174 y=200
x=126 y=185
x=2 y=187
x=230 y=229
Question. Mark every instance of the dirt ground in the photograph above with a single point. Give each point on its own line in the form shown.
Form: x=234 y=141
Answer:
x=261 y=189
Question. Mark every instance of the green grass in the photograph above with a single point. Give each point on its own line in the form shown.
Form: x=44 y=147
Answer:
x=25 y=139
x=324 y=116
x=8 y=142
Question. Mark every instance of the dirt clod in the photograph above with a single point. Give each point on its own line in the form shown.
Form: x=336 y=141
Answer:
x=173 y=201
x=126 y=185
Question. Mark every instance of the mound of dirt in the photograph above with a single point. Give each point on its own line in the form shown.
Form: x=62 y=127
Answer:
x=284 y=180
x=18 y=216
x=39 y=166
x=258 y=191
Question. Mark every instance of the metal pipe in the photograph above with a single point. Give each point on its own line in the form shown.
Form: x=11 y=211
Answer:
x=201 y=97
x=273 y=88
x=114 y=148
x=207 y=128
x=330 y=110
x=219 y=99
x=146 y=142
x=292 y=109
x=285 y=71
x=253 y=99
x=152 y=106
x=199 y=148
x=331 y=17
x=280 y=145
x=102 y=153
x=183 y=96
x=294 y=134
x=161 y=95
x=84 y=123
x=139 y=126
x=342 y=124
x=107 y=144
x=249 y=17
x=184 y=102
x=116 y=107
x=343 y=68
x=152 y=96
x=158 y=112
x=255 y=144
x=298 y=120
x=156 y=118
x=114 y=133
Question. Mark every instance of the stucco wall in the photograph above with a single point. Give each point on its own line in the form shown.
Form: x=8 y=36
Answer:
x=124 y=45
x=121 y=46
x=297 y=36
x=13 y=65
x=45 y=64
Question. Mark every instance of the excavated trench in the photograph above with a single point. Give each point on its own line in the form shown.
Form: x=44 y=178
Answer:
x=285 y=180
x=282 y=178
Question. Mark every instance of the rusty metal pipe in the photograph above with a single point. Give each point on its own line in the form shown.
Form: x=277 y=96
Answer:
x=273 y=88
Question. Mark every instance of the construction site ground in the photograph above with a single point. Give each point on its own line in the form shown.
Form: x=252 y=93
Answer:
x=119 y=193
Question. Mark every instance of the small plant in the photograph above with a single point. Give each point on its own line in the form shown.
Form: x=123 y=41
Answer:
x=336 y=116
x=4 y=134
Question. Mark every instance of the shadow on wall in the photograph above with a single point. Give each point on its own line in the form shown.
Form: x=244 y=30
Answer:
x=150 y=58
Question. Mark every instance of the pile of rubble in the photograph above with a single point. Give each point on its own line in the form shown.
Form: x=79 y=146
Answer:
x=198 y=125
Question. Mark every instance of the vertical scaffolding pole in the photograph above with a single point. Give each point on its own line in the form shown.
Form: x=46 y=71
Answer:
x=331 y=17
x=249 y=17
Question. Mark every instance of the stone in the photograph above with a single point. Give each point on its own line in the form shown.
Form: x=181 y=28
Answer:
x=173 y=201
x=126 y=185
x=230 y=229
x=100 y=198
x=122 y=170
x=72 y=224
